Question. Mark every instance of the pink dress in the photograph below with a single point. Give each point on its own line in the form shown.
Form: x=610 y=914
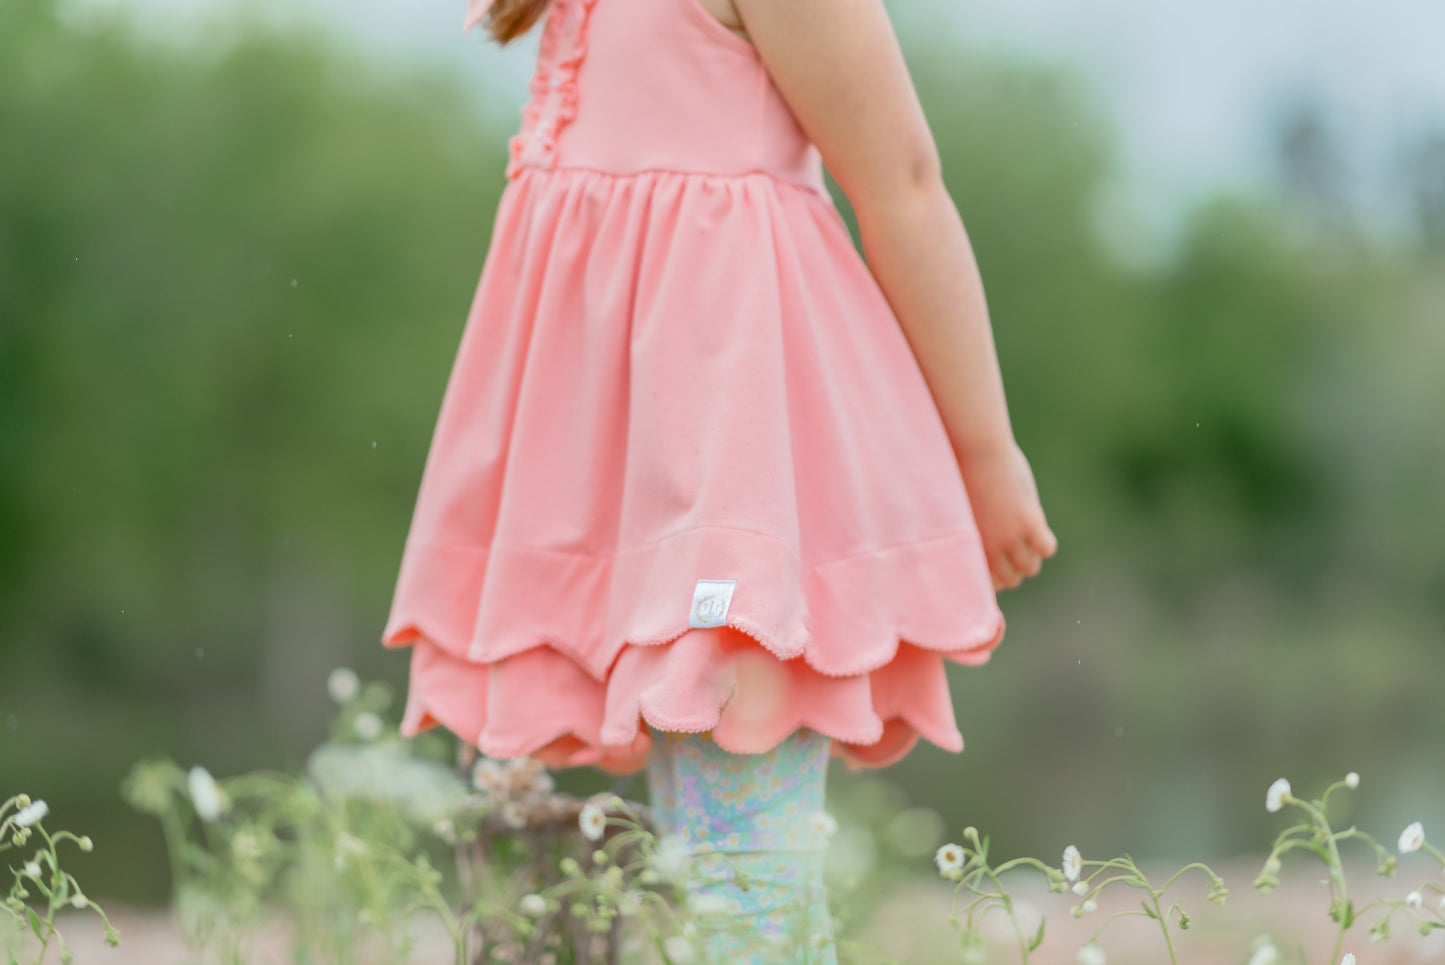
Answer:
x=686 y=469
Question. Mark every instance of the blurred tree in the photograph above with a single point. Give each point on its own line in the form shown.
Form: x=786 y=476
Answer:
x=232 y=279
x=1423 y=165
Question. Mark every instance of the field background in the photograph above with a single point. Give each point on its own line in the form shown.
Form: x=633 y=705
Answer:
x=234 y=267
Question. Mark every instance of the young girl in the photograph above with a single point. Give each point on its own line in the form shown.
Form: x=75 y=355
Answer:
x=708 y=494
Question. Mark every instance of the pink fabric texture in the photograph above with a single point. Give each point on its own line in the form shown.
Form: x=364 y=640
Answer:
x=677 y=367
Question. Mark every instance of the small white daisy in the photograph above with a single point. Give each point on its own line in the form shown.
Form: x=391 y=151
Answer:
x=1073 y=863
x=1090 y=905
x=705 y=904
x=32 y=812
x=1349 y=959
x=1265 y=954
x=592 y=822
x=1352 y=780
x=533 y=906
x=343 y=684
x=348 y=843
x=367 y=725
x=949 y=858
x=1412 y=837
x=1081 y=888
x=1090 y=954
x=204 y=793
x=672 y=858
x=32 y=868
x=1279 y=792
x=824 y=823
x=1414 y=899
x=489 y=777
x=513 y=816
x=678 y=948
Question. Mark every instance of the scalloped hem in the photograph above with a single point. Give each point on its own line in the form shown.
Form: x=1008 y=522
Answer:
x=540 y=703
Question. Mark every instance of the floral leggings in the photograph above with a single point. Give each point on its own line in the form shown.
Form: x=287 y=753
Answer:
x=755 y=878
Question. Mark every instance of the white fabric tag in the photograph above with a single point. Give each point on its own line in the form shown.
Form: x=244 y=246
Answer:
x=710 y=602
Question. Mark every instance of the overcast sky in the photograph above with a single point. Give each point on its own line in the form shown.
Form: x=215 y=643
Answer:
x=1193 y=86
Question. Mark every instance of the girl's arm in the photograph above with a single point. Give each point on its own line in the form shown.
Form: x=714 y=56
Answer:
x=839 y=66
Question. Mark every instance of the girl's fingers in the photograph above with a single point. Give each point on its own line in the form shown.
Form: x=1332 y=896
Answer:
x=1025 y=561
x=1043 y=541
x=1005 y=577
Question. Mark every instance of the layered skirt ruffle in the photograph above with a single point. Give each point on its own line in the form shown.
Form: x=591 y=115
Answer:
x=672 y=376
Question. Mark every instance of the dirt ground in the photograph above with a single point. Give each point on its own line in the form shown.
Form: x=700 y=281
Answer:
x=912 y=925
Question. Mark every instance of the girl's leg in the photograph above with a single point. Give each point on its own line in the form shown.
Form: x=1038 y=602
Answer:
x=756 y=880
x=662 y=785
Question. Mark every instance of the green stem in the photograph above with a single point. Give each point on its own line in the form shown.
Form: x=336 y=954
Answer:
x=1164 y=926
x=1337 y=873
x=1009 y=908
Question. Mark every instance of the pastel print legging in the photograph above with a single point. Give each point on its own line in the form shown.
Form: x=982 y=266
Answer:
x=756 y=872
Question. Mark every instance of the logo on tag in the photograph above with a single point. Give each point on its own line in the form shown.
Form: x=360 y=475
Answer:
x=710 y=602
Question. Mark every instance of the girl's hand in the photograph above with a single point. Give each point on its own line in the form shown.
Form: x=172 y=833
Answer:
x=1005 y=498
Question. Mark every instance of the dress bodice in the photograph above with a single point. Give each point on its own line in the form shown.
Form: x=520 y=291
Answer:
x=623 y=86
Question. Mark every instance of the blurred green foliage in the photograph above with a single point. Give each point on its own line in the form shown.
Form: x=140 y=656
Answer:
x=232 y=278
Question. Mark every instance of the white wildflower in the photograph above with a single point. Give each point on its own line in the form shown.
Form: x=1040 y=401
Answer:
x=672 y=858
x=1349 y=959
x=489 y=777
x=1265 y=954
x=348 y=843
x=79 y=901
x=1414 y=899
x=1081 y=888
x=367 y=725
x=1352 y=780
x=246 y=845
x=204 y=793
x=1412 y=837
x=1279 y=792
x=1090 y=954
x=949 y=858
x=1090 y=905
x=823 y=823
x=32 y=868
x=592 y=821
x=513 y=816
x=678 y=948
x=32 y=812
x=533 y=906
x=706 y=904
x=1073 y=863
x=343 y=684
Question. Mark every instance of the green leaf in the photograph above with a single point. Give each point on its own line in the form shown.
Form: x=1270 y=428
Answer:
x=34 y=923
x=1147 y=910
x=1038 y=938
